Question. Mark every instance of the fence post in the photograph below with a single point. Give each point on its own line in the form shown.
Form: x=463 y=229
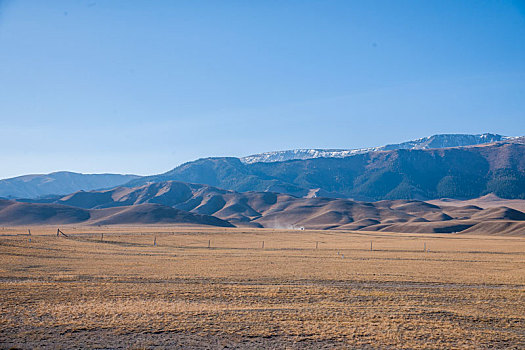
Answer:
x=262 y=245
x=371 y=249
x=209 y=243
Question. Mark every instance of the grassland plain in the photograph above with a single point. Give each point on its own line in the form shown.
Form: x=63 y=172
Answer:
x=163 y=287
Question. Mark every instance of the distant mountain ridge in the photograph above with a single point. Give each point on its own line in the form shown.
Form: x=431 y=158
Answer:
x=434 y=141
x=422 y=174
x=58 y=183
x=449 y=165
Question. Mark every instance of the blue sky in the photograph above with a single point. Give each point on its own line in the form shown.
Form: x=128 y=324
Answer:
x=142 y=86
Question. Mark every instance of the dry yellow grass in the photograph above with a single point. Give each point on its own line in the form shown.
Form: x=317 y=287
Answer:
x=124 y=292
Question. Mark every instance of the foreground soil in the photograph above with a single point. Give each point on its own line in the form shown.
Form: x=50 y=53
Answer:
x=165 y=287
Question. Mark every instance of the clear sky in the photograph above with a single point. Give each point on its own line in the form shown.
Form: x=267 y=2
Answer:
x=142 y=86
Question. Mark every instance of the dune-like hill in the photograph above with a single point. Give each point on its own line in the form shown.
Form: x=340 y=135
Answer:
x=16 y=213
x=196 y=198
x=153 y=214
x=19 y=213
x=172 y=201
x=488 y=201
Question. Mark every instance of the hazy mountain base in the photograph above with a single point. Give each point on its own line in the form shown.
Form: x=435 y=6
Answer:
x=63 y=182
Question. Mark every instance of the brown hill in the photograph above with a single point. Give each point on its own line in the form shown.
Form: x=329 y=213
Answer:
x=16 y=213
x=487 y=201
x=170 y=201
x=153 y=214
x=501 y=213
x=516 y=228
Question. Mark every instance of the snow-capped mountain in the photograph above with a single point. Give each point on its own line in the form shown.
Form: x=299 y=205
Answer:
x=435 y=141
x=447 y=140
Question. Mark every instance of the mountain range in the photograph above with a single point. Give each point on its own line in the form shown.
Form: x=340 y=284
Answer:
x=423 y=174
x=381 y=189
x=368 y=173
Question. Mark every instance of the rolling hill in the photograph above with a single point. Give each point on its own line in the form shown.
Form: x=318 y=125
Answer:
x=275 y=210
x=14 y=213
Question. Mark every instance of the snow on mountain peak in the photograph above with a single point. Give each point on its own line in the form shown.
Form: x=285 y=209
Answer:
x=435 y=141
